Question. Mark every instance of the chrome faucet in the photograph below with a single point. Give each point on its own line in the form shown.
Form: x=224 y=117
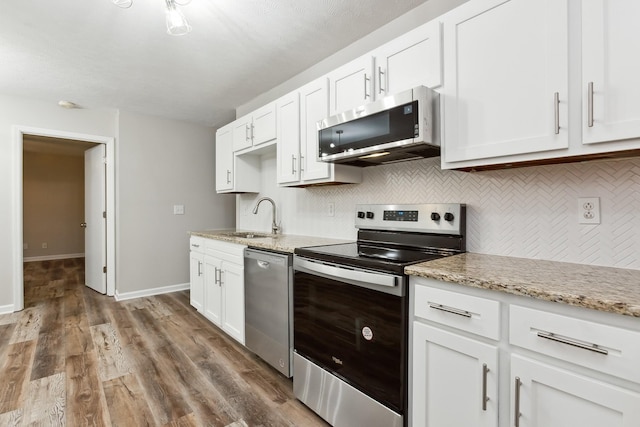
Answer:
x=274 y=226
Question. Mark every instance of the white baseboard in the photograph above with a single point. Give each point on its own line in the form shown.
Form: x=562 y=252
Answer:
x=5 y=309
x=149 y=292
x=52 y=257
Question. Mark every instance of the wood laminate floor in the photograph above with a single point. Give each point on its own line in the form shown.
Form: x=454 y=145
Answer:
x=77 y=358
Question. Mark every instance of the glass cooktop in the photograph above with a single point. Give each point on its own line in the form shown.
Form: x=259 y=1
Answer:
x=379 y=258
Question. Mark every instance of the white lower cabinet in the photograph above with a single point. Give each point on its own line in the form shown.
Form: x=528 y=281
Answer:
x=548 y=365
x=224 y=287
x=454 y=380
x=547 y=396
x=196 y=272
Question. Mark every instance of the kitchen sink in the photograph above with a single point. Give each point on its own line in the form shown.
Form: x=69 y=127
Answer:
x=251 y=235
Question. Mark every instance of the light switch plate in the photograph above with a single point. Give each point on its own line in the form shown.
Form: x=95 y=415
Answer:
x=178 y=209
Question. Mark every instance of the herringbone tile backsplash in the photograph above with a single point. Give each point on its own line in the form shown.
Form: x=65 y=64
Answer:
x=526 y=212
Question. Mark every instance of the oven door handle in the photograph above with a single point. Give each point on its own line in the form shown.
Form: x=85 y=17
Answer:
x=365 y=278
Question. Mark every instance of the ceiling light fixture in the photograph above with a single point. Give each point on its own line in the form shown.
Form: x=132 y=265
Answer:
x=68 y=104
x=177 y=24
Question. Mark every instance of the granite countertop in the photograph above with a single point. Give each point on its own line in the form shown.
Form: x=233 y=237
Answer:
x=607 y=289
x=277 y=242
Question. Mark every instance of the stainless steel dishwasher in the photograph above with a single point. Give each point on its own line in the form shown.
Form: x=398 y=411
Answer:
x=268 y=293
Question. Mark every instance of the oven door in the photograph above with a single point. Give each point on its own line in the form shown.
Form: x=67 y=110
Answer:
x=353 y=324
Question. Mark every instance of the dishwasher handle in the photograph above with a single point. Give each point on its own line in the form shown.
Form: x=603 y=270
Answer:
x=263 y=264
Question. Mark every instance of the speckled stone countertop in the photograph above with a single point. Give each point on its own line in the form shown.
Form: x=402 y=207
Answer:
x=608 y=289
x=279 y=242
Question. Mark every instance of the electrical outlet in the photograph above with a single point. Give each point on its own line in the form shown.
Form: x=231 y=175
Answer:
x=45 y=246
x=589 y=210
x=25 y=246
x=331 y=209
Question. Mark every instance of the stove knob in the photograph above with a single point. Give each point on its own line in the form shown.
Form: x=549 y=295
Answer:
x=448 y=216
x=360 y=214
x=435 y=216
x=370 y=215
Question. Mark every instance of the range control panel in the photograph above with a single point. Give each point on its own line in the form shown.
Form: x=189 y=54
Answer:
x=443 y=218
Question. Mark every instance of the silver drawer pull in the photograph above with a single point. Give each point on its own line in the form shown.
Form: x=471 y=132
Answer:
x=485 y=398
x=451 y=310
x=195 y=246
x=569 y=341
x=517 y=414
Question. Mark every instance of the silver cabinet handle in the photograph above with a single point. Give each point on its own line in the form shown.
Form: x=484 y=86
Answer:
x=516 y=416
x=216 y=279
x=195 y=245
x=293 y=164
x=252 y=131
x=220 y=282
x=228 y=176
x=564 y=340
x=199 y=268
x=590 y=105
x=448 y=309
x=301 y=163
x=380 y=74
x=556 y=106
x=366 y=79
x=246 y=132
x=485 y=399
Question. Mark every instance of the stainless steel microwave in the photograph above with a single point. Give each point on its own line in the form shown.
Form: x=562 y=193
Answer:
x=396 y=128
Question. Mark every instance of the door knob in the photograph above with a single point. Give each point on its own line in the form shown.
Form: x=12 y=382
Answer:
x=83 y=224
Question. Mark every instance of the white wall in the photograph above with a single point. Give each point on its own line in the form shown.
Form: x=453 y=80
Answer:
x=527 y=212
x=161 y=163
x=38 y=114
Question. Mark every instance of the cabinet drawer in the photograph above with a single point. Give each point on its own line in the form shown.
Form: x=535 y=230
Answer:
x=472 y=314
x=225 y=251
x=608 y=349
x=197 y=244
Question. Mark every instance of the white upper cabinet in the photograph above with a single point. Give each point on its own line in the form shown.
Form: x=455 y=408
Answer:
x=224 y=158
x=298 y=115
x=255 y=129
x=234 y=173
x=610 y=70
x=351 y=85
x=288 y=157
x=414 y=59
x=506 y=79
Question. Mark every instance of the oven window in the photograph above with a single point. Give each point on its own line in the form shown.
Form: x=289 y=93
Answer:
x=356 y=333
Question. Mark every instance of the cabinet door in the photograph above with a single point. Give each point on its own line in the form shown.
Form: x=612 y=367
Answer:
x=264 y=127
x=233 y=289
x=224 y=158
x=314 y=106
x=196 y=279
x=553 y=397
x=506 y=79
x=242 y=133
x=351 y=85
x=414 y=59
x=610 y=42
x=454 y=380
x=288 y=163
x=212 y=290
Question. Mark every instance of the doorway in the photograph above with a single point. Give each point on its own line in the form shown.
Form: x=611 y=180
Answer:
x=67 y=139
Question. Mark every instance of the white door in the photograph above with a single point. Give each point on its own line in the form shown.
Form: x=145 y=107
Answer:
x=232 y=281
x=552 y=397
x=609 y=71
x=455 y=380
x=224 y=158
x=288 y=112
x=506 y=85
x=351 y=85
x=314 y=106
x=95 y=244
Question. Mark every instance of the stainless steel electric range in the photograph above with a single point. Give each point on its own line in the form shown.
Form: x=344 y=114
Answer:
x=351 y=311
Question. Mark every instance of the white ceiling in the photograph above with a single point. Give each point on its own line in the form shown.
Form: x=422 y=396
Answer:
x=100 y=56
